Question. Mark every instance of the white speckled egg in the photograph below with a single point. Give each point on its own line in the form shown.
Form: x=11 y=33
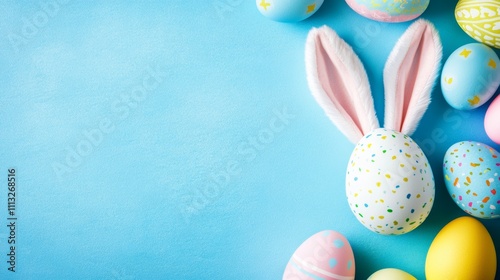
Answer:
x=470 y=76
x=472 y=177
x=389 y=10
x=325 y=255
x=288 y=10
x=389 y=182
x=480 y=20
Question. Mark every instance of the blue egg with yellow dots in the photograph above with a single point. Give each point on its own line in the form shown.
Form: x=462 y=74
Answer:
x=288 y=10
x=470 y=76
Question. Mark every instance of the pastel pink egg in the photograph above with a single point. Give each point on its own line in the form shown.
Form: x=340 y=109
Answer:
x=325 y=255
x=491 y=119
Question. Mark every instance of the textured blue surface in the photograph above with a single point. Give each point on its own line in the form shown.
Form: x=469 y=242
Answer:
x=202 y=153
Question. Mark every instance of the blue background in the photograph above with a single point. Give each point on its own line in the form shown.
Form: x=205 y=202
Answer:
x=189 y=181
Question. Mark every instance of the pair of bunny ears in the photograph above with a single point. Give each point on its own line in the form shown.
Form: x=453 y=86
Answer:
x=338 y=80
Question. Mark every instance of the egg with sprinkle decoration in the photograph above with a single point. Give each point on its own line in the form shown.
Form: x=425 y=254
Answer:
x=325 y=255
x=472 y=177
x=288 y=10
x=389 y=182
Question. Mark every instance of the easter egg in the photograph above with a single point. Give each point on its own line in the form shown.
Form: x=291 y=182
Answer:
x=472 y=177
x=389 y=11
x=391 y=274
x=288 y=10
x=491 y=125
x=325 y=255
x=479 y=19
x=470 y=76
x=463 y=249
x=389 y=182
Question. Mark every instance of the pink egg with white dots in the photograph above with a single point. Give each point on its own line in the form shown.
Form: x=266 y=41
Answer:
x=325 y=255
x=472 y=177
x=389 y=183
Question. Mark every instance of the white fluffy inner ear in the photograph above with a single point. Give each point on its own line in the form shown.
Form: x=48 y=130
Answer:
x=338 y=81
x=410 y=75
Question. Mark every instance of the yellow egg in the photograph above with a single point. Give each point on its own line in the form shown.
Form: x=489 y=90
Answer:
x=480 y=20
x=391 y=274
x=463 y=249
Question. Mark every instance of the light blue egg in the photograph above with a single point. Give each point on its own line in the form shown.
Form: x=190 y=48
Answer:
x=472 y=177
x=470 y=76
x=288 y=10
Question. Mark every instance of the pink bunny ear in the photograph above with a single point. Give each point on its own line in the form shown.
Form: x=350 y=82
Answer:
x=409 y=76
x=338 y=81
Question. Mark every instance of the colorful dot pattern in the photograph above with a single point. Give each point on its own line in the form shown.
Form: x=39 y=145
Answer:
x=472 y=177
x=389 y=182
